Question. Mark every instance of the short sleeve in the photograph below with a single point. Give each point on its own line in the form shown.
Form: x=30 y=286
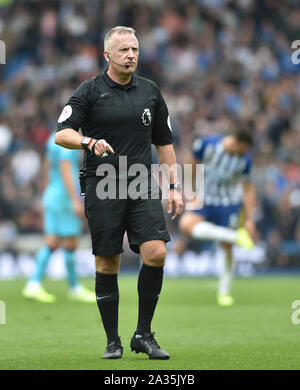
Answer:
x=247 y=172
x=76 y=109
x=200 y=144
x=162 y=130
x=65 y=154
x=198 y=148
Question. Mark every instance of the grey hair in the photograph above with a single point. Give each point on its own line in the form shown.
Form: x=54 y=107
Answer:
x=119 y=30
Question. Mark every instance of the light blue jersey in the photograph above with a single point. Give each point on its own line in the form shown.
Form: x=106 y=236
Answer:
x=223 y=172
x=59 y=217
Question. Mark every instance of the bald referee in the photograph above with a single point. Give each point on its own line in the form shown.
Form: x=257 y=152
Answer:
x=120 y=115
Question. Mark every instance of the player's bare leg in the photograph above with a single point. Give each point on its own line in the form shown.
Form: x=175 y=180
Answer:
x=77 y=292
x=34 y=289
x=195 y=226
x=224 y=297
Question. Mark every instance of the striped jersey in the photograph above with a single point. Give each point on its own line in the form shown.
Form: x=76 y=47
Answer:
x=223 y=172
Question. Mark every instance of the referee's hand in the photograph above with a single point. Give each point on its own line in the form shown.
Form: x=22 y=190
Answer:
x=100 y=148
x=175 y=199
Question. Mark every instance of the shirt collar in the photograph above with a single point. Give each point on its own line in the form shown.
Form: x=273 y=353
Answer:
x=113 y=84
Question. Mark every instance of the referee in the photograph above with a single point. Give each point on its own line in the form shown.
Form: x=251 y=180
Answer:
x=120 y=115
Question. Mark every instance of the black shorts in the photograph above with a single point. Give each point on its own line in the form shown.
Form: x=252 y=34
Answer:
x=108 y=219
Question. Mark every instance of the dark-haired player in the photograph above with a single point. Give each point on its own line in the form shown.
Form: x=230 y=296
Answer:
x=227 y=189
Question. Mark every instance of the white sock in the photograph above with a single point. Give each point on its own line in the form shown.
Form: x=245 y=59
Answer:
x=76 y=289
x=225 y=277
x=33 y=285
x=211 y=232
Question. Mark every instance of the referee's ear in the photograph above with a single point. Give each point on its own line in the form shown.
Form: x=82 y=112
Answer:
x=106 y=56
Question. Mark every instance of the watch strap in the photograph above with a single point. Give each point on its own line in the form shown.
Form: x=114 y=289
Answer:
x=93 y=147
x=84 y=145
x=175 y=186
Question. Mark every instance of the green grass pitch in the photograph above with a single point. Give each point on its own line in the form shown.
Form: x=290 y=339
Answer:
x=256 y=333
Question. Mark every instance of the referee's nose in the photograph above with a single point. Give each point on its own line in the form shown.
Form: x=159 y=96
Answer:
x=131 y=54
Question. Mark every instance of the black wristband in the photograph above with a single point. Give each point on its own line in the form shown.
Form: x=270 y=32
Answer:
x=175 y=186
x=93 y=147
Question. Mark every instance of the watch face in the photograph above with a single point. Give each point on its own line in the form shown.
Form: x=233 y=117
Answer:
x=85 y=140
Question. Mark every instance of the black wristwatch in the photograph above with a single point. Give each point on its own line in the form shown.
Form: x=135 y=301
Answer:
x=85 y=141
x=175 y=186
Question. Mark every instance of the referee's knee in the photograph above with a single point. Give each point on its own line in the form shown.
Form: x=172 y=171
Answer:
x=108 y=264
x=155 y=258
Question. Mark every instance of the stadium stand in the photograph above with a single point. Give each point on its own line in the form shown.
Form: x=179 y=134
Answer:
x=218 y=62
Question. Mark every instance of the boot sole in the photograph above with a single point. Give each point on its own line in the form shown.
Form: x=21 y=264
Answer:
x=150 y=357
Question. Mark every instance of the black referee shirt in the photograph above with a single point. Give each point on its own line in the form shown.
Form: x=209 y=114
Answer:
x=129 y=117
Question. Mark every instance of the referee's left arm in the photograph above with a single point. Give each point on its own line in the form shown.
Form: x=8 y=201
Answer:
x=166 y=155
x=162 y=139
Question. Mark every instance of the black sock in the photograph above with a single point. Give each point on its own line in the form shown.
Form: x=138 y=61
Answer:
x=107 y=295
x=149 y=286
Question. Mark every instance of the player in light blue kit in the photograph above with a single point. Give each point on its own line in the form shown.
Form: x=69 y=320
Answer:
x=62 y=224
x=227 y=189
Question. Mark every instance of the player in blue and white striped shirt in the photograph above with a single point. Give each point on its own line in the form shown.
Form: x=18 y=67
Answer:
x=227 y=188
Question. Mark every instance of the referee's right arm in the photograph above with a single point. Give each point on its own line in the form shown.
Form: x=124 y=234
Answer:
x=68 y=138
x=72 y=118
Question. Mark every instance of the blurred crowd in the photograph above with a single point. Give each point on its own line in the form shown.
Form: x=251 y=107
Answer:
x=219 y=63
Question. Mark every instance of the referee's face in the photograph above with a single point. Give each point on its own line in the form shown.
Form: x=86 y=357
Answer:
x=124 y=50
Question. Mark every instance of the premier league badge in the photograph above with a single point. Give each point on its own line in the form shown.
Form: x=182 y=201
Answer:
x=146 y=117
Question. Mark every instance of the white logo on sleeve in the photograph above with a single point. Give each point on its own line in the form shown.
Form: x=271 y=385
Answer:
x=169 y=123
x=146 y=117
x=66 y=113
